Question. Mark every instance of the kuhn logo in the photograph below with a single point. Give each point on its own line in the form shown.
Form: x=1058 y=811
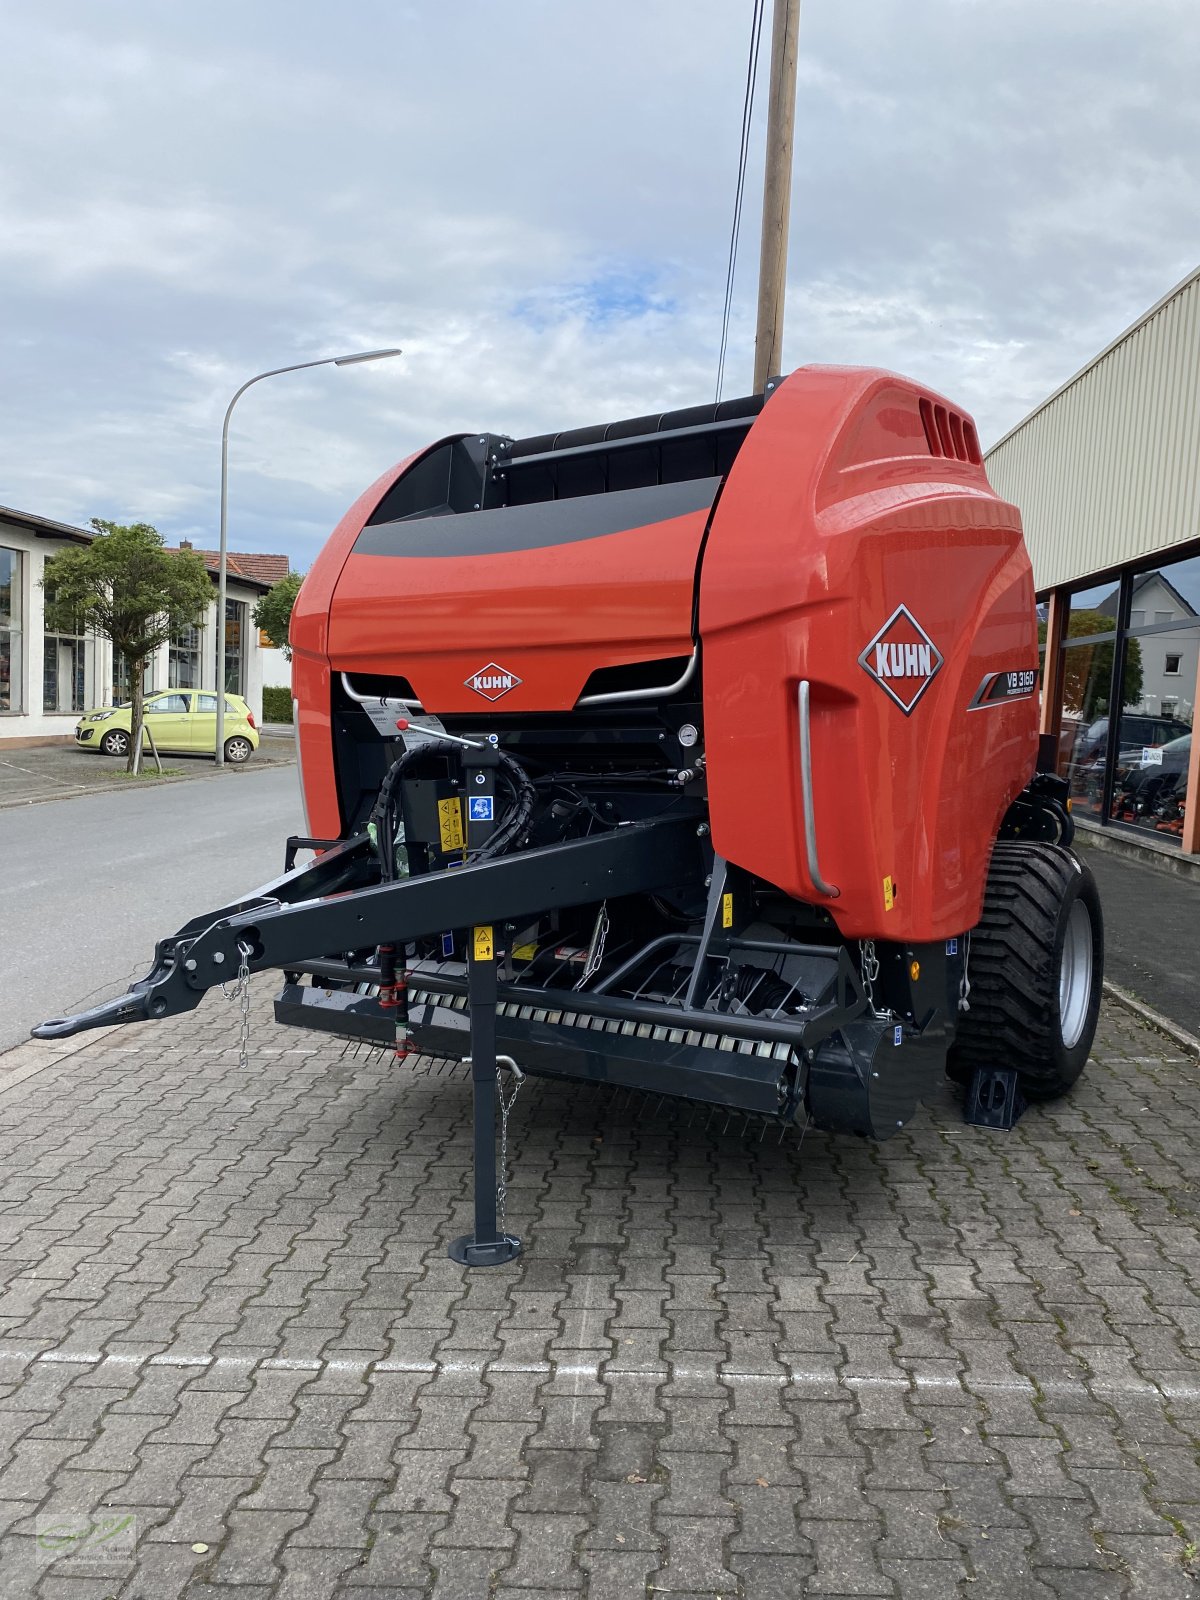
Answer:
x=492 y=681
x=902 y=659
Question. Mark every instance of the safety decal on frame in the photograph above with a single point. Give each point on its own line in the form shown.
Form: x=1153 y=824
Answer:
x=951 y=947
x=481 y=807
x=450 y=829
x=898 y=1034
x=727 y=911
x=889 y=893
x=447 y=945
x=482 y=947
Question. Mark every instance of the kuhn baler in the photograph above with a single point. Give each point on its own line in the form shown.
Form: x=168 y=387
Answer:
x=695 y=753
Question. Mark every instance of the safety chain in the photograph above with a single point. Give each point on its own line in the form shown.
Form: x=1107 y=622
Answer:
x=242 y=996
x=869 y=962
x=964 y=983
x=506 y=1105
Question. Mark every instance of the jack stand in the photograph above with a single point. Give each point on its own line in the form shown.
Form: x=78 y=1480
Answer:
x=994 y=1098
x=487 y=1246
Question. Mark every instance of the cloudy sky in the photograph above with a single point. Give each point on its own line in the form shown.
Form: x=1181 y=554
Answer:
x=534 y=199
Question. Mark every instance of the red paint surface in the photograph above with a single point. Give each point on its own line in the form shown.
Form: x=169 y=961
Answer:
x=833 y=515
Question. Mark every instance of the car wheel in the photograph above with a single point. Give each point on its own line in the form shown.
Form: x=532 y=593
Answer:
x=238 y=750
x=115 y=742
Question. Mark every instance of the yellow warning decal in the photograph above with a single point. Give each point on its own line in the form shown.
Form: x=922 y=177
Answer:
x=450 y=823
x=482 y=947
x=524 y=952
x=727 y=911
x=889 y=893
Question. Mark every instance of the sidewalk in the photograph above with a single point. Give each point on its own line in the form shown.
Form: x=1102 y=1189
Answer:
x=1151 y=931
x=55 y=771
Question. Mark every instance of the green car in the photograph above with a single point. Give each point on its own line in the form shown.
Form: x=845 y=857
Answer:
x=182 y=720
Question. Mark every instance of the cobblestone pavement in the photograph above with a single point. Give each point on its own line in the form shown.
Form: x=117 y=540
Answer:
x=961 y=1363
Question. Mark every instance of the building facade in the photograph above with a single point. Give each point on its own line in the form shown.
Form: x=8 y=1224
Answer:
x=1106 y=473
x=47 y=679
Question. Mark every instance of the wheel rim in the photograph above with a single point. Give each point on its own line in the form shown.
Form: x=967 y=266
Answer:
x=237 y=750
x=118 y=743
x=1075 y=975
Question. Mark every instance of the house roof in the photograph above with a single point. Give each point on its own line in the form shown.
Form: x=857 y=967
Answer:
x=1108 y=606
x=248 y=567
x=45 y=527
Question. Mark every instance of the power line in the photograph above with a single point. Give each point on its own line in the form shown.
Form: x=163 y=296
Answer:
x=756 y=22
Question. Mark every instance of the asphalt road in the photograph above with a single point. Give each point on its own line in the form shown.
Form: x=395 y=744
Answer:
x=1151 y=920
x=90 y=883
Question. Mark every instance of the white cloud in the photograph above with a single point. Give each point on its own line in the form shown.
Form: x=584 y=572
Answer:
x=534 y=202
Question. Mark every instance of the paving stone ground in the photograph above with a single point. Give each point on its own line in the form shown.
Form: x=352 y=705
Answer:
x=963 y=1363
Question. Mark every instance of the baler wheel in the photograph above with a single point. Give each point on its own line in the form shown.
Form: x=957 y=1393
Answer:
x=1036 y=967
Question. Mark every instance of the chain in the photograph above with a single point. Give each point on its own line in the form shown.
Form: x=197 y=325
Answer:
x=506 y=1105
x=242 y=995
x=964 y=983
x=595 y=955
x=870 y=971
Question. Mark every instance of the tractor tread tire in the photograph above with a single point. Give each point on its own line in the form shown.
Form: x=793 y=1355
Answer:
x=1013 y=966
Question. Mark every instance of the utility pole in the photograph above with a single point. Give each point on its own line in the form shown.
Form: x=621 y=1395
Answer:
x=777 y=193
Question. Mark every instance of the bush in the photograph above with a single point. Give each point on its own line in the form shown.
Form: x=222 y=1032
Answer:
x=277 y=705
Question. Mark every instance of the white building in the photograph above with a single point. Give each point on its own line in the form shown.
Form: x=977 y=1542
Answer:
x=47 y=679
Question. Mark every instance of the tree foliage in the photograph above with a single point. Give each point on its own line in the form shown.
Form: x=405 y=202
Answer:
x=273 y=612
x=1087 y=668
x=127 y=588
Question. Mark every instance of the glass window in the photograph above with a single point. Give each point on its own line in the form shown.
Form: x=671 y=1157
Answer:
x=1171 y=664
x=235 y=632
x=1169 y=591
x=1150 y=770
x=65 y=661
x=122 y=691
x=1136 y=619
x=174 y=704
x=183 y=660
x=1087 y=695
x=1094 y=610
x=11 y=675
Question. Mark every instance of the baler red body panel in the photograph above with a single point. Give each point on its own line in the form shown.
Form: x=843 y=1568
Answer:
x=834 y=515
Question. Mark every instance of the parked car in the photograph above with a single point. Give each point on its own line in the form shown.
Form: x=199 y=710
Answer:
x=1137 y=732
x=180 y=720
x=1154 y=788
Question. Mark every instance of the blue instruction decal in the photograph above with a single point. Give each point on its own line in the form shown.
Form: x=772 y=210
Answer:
x=447 y=944
x=951 y=947
x=481 y=807
x=898 y=1035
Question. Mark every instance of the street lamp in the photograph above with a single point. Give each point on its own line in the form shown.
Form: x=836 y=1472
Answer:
x=222 y=562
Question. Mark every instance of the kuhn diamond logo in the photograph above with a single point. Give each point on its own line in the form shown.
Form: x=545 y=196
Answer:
x=902 y=659
x=492 y=681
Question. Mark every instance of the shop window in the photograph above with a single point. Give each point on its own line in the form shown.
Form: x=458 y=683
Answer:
x=235 y=633
x=66 y=660
x=11 y=674
x=1169 y=591
x=183 y=659
x=122 y=693
x=1094 y=610
x=1083 y=747
x=1151 y=759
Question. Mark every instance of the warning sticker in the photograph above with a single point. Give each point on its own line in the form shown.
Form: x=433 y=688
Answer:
x=481 y=807
x=450 y=826
x=889 y=893
x=727 y=911
x=482 y=946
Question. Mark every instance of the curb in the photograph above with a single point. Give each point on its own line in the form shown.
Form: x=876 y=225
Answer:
x=1186 y=1041
x=21 y=1061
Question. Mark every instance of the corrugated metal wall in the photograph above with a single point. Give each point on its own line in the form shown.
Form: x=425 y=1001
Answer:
x=1108 y=469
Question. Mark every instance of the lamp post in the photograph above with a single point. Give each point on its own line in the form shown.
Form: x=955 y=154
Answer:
x=223 y=559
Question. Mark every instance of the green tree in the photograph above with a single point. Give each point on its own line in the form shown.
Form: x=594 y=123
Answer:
x=127 y=588
x=273 y=612
x=1087 y=669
